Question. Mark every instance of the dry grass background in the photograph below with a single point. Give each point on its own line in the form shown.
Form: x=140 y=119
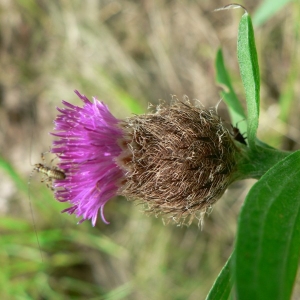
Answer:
x=127 y=53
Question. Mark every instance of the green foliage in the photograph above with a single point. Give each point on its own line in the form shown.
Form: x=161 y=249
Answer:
x=235 y=108
x=265 y=260
x=249 y=70
x=268 y=240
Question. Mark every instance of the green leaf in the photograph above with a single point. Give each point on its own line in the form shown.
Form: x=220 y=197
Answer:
x=267 y=9
x=268 y=238
x=222 y=286
x=249 y=70
x=236 y=110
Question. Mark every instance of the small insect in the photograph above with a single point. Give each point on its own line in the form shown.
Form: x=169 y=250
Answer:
x=238 y=136
x=49 y=172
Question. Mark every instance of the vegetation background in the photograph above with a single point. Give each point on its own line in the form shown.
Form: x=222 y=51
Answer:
x=128 y=54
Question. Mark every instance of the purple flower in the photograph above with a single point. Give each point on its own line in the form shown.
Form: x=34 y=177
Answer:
x=87 y=146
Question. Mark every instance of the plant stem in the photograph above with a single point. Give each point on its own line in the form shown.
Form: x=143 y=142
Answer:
x=254 y=163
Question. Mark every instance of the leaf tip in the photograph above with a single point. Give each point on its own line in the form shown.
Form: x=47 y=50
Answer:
x=232 y=6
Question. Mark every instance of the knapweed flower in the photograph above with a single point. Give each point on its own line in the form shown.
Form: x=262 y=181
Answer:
x=178 y=161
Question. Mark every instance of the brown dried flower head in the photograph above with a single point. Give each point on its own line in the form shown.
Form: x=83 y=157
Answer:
x=178 y=160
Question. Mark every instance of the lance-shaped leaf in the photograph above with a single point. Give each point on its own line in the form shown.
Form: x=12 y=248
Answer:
x=249 y=70
x=235 y=108
x=268 y=239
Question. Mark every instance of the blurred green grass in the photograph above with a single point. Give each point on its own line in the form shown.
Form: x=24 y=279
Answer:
x=127 y=54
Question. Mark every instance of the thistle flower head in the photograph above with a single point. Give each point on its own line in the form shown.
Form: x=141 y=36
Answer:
x=178 y=161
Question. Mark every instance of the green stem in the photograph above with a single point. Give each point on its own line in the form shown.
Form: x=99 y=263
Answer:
x=254 y=163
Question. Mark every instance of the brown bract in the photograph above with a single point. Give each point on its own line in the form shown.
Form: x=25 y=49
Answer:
x=178 y=161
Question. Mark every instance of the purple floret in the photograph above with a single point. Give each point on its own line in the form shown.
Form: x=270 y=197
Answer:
x=87 y=146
